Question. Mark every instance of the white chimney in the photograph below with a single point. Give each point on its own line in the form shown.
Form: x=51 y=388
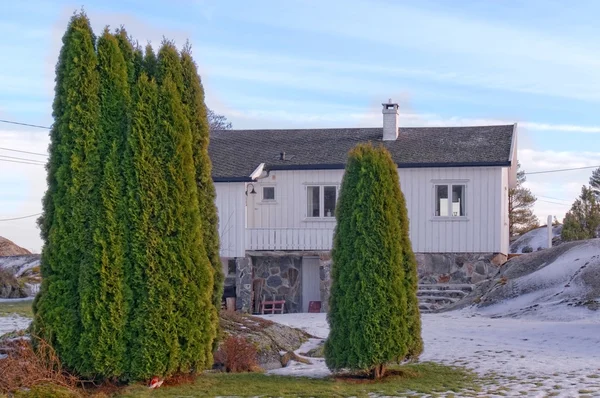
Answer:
x=390 y=121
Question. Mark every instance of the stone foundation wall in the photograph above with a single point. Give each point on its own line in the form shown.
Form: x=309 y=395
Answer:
x=458 y=267
x=325 y=265
x=282 y=276
x=243 y=284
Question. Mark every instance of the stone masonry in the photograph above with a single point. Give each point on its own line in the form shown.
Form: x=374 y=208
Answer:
x=281 y=274
x=458 y=268
x=282 y=277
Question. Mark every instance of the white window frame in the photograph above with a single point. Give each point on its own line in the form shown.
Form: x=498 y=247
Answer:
x=321 y=186
x=262 y=194
x=449 y=184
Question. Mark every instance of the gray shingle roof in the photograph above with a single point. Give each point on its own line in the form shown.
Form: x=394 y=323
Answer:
x=236 y=153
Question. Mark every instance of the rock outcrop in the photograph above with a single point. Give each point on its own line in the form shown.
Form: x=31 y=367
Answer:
x=9 y=248
x=19 y=275
x=568 y=274
x=272 y=340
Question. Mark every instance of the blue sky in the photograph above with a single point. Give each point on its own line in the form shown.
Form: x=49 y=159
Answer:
x=294 y=63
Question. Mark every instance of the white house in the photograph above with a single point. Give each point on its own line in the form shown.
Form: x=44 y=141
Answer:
x=277 y=192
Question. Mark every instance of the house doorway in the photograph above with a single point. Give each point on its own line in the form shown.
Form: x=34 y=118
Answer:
x=311 y=281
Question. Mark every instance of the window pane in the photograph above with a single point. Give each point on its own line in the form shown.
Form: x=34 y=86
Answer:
x=313 y=200
x=268 y=193
x=329 y=197
x=458 y=200
x=441 y=200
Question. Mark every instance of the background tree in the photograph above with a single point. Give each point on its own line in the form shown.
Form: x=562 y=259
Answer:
x=70 y=204
x=372 y=309
x=583 y=220
x=520 y=207
x=216 y=121
x=595 y=183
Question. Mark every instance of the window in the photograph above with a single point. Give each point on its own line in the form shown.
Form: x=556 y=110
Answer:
x=268 y=194
x=313 y=195
x=450 y=200
x=320 y=201
x=329 y=198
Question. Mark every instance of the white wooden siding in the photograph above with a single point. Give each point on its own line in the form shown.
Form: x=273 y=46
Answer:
x=481 y=230
x=231 y=205
x=506 y=177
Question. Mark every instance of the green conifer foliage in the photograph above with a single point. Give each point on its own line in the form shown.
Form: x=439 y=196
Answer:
x=195 y=316
x=371 y=303
x=193 y=99
x=411 y=279
x=128 y=286
x=150 y=62
x=102 y=284
x=70 y=204
x=151 y=338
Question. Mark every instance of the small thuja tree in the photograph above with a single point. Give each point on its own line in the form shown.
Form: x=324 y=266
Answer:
x=373 y=317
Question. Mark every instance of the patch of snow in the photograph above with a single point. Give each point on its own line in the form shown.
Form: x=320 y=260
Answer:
x=535 y=238
x=313 y=324
x=549 y=292
x=18 y=265
x=530 y=357
x=13 y=323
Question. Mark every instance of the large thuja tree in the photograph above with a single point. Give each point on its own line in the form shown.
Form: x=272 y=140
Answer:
x=102 y=284
x=128 y=288
x=71 y=203
x=373 y=315
x=193 y=99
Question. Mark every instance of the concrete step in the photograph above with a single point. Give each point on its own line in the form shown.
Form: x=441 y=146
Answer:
x=438 y=299
x=433 y=297
x=444 y=286
x=442 y=293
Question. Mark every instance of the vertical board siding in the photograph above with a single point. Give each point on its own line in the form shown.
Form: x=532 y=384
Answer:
x=505 y=234
x=272 y=225
x=231 y=206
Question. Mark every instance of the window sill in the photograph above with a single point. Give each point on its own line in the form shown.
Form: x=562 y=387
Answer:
x=318 y=219
x=435 y=219
x=268 y=202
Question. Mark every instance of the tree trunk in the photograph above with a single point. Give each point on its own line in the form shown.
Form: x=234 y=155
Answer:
x=378 y=371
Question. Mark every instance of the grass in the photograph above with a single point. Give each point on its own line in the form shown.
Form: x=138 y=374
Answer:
x=425 y=378
x=19 y=307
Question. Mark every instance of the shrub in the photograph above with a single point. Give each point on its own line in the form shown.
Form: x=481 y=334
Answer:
x=237 y=355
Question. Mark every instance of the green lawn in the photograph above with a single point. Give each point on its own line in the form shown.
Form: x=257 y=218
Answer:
x=427 y=378
x=20 y=307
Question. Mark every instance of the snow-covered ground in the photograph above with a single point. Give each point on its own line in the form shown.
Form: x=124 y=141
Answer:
x=536 y=238
x=525 y=357
x=12 y=323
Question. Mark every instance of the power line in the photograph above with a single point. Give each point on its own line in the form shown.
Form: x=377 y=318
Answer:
x=24 y=124
x=559 y=170
x=20 y=218
x=17 y=150
x=550 y=197
x=556 y=203
x=18 y=161
x=25 y=159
